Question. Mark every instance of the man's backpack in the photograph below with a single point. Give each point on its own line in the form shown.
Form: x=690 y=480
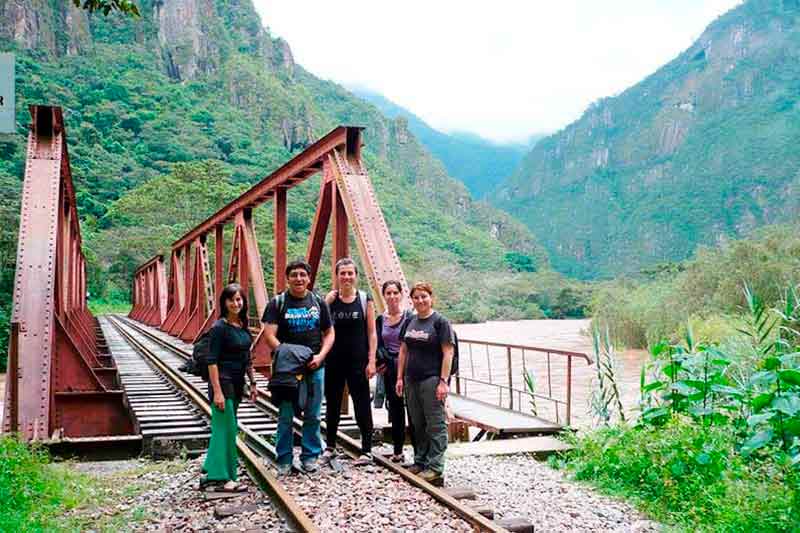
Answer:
x=280 y=300
x=200 y=352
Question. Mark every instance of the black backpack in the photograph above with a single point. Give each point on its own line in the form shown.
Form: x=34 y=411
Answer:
x=454 y=364
x=199 y=362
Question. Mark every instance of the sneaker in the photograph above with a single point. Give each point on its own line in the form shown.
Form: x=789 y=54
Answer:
x=310 y=466
x=415 y=468
x=284 y=470
x=328 y=454
x=432 y=477
x=363 y=460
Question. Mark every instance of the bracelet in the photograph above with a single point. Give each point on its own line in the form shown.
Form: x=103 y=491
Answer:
x=443 y=380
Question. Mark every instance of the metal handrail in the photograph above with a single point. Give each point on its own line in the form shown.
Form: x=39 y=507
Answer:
x=508 y=347
x=531 y=348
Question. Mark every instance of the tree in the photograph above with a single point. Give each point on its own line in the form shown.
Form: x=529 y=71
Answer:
x=107 y=6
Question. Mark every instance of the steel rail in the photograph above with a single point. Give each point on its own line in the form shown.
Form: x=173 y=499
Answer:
x=264 y=477
x=353 y=448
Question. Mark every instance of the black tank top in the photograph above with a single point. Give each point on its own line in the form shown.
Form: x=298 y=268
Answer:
x=351 y=346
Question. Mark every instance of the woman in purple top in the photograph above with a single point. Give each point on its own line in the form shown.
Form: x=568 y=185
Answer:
x=388 y=326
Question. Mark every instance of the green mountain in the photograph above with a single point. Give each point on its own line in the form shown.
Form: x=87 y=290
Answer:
x=479 y=163
x=173 y=114
x=702 y=150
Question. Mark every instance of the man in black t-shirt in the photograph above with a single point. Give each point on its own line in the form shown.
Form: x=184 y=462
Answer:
x=298 y=316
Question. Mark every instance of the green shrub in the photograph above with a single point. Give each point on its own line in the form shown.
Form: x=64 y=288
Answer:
x=690 y=476
x=643 y=311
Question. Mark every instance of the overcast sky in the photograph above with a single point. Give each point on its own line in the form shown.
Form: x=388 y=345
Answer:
x=502 y=69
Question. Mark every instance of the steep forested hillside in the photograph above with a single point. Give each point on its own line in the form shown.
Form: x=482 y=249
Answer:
x=479 y=163
x=170 y=115
x=703 y=149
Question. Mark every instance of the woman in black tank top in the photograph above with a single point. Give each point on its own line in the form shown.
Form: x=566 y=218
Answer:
x=351 y=362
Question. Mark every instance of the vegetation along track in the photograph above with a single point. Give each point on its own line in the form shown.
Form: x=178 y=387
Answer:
x=383 y=495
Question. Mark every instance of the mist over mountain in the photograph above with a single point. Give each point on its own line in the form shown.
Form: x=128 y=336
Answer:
x=479 y=163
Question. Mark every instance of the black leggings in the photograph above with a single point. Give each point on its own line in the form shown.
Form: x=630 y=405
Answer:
x=357 y=384
x=397 y=412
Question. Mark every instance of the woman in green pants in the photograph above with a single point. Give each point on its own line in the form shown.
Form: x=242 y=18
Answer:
x=228 y=363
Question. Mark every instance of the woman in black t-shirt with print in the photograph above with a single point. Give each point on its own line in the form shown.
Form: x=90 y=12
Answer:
x=426 y=355
x=352 y=358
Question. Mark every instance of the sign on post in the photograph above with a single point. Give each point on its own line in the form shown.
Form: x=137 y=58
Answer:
x=8 y=122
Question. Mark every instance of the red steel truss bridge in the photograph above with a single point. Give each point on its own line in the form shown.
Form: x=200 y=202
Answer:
x=66 y=383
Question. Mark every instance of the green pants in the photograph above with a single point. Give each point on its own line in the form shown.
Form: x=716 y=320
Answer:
x=222 y=457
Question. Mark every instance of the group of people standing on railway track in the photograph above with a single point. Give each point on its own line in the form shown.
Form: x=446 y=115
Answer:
x=320 y=345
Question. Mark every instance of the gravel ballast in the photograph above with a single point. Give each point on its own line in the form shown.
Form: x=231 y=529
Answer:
x=368 y=498
x=521 y=486
x=163 y=496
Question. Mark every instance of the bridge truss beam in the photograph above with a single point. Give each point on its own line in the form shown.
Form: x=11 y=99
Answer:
x=346 y=200
x=59 y=383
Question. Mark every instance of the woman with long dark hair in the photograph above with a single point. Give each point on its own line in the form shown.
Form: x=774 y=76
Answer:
x=228 y=363
x=388 y=326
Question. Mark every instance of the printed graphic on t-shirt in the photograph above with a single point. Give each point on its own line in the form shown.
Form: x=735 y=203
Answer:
x=347 y=315
x=417 y=334
x=301 y=319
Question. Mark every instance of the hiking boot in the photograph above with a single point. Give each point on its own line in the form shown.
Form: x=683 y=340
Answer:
x=434 y=478
x=283 y=470
x=363 y=460
x=310 y=466
x=415 y=468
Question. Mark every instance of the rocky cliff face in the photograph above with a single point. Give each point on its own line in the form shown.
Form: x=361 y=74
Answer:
x=695 y=152
x=32 y=24
x=182 y=30
x=194 y=37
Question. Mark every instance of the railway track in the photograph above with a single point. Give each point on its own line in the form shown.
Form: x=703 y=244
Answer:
x=380 y=496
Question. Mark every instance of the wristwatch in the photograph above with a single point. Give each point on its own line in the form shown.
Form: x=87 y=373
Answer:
x=443 y=380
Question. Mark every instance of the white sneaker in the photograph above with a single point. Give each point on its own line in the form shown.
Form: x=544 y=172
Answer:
x=284 y=470
x=310 y=466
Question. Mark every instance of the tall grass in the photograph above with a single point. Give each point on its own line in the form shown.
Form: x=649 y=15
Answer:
x=34 y=493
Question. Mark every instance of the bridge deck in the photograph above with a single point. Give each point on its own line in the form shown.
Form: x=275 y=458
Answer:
x=498 y=420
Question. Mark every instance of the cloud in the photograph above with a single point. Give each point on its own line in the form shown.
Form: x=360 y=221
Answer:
x=503 y=69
